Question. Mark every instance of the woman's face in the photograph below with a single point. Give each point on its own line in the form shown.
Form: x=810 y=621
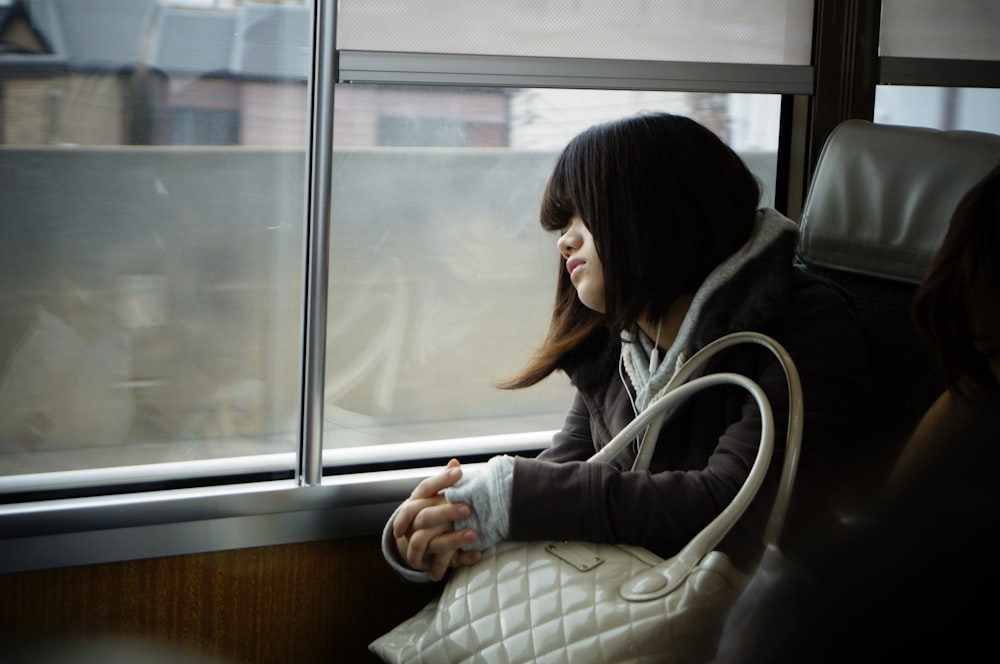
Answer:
x=576 y=245
x=984 y=324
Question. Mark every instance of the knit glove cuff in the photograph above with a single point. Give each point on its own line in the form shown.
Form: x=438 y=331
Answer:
x=488 y=492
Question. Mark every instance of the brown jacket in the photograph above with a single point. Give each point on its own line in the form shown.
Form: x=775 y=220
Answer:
x=705 y=448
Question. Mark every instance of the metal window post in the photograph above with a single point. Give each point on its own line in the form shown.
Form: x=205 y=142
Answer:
x=309 y=465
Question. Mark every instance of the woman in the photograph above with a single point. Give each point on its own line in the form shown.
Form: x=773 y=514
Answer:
x=662 y=250
x=942 y=502
x=957 y=307
x=914 y=578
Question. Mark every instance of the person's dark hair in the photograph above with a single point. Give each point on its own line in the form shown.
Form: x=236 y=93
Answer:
x=666 y=201
x=967 y=263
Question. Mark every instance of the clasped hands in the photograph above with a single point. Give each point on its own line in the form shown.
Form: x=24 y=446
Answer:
x=424 y=527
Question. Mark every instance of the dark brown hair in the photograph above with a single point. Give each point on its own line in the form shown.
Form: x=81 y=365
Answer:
x=666 y=201
x=967 y=263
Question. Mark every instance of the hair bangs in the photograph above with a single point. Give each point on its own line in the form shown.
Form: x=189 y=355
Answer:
x=559 y=203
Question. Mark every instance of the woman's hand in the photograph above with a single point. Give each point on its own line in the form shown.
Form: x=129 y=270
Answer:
x=425 y=531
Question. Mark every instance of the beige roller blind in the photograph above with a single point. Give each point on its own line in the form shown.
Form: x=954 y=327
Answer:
x=774 y=32
x=940 y=29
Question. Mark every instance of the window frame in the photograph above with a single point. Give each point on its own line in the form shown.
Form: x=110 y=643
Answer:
x=895 y=70
x=324 y=494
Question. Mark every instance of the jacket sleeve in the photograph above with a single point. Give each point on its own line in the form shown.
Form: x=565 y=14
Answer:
x=574 y=441
x=598 y=502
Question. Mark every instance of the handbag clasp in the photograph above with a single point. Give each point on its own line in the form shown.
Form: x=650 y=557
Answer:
x=578 y=554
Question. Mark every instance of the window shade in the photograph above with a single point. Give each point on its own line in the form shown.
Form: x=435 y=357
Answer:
x=941 y=29
x=762 y=32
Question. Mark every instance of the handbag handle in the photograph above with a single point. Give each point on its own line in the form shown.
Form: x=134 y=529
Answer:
x=796 y=418
x=665 y=577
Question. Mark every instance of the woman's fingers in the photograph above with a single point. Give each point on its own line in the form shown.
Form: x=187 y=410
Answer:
x=440 y=563
x=439 y=566
x=435 y=484
x=408 y=511
x=436 y=541
x=436 y=515
x=424 y=527
x=451 y=542
x=428 y=492
x=463 y=558
x=449 y=557
x=425 y=548
x=427 y=513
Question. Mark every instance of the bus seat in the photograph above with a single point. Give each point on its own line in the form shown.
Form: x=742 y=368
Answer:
x=877 y=208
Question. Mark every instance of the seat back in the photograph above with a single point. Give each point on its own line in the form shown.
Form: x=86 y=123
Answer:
x=877 y=209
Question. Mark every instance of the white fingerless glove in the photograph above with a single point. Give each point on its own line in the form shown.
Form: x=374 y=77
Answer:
x=488 y=492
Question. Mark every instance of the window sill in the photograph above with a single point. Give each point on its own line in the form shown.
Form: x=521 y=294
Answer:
x=72 y=531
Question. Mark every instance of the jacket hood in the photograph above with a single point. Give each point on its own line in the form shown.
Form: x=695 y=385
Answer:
x=745 y=292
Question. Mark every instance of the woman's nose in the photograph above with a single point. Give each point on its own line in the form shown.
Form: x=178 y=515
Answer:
x=566 y=244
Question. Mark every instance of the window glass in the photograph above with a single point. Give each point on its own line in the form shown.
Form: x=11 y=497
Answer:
x=154 y=192
x=152 y=179
x=972 y=109
x=441 y=279
x=760 y=32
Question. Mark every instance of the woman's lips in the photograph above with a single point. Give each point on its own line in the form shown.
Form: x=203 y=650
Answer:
x=572 y=265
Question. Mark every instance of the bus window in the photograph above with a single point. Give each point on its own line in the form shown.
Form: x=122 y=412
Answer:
x=441 y=278
x=970 y=109
x=152 y=173
x=939 y=65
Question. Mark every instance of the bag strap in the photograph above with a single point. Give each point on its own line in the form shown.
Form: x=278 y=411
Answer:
x=796 y=418
x=668 y=575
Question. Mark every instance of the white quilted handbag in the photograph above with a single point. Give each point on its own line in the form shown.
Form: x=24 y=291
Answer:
x=579 y=602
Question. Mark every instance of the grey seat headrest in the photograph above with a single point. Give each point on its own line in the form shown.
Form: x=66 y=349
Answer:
x=881 y=197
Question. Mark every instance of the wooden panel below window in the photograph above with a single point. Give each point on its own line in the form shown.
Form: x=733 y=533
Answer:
x=312 y=602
